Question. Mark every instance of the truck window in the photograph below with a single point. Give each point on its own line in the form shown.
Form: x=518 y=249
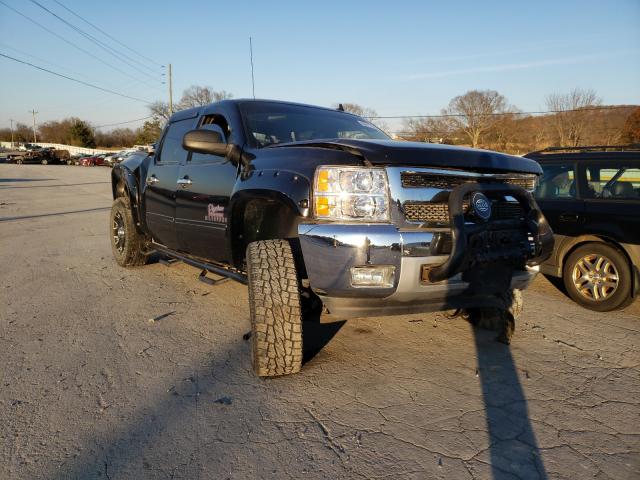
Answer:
x=557 y=182
x=171 y=151
x=273 y=123
x=216 y=123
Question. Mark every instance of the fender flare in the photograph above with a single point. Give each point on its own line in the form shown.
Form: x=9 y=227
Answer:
x=286 y=188
x=124 y=182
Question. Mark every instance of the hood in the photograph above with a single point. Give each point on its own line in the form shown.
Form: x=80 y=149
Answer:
x=417 y=154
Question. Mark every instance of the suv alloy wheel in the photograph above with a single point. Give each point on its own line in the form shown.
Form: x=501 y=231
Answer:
x=597 y=276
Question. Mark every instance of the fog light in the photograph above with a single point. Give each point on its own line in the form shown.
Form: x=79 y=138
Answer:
x=381 y=276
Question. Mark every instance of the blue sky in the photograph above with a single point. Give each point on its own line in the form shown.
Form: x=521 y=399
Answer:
x=399 y=58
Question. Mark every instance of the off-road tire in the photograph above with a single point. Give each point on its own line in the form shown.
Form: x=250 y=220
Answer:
x=502 y=320
x=620 y=298
x=274 y=301
x=131 y=252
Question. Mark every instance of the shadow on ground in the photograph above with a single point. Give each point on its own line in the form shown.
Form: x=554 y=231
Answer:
x=514 y=449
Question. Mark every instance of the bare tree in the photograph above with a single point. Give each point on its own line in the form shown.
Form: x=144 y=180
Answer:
x=196 y=96
x=431 y=130
x=572 y=112
x=474 y=113
x=159 y=111
x=365 y=112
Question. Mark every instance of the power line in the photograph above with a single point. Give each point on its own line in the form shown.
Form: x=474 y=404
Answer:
x=124 y=123
x=107 y=34
x=93 y=39
x=604 y=107
x=86 y=52
x=74 y=79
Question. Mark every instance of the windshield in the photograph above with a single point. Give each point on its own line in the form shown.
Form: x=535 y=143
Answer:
x=274 y=123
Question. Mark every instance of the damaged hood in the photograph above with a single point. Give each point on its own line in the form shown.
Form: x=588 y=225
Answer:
x=417 y=154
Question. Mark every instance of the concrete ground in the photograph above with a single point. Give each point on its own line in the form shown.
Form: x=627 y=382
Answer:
x=119 y=374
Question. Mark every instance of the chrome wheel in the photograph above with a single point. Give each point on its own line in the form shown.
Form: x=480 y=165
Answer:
x=595 y=277
x=118 y=232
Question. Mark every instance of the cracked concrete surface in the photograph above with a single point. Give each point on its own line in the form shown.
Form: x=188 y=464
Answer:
x=115 y=374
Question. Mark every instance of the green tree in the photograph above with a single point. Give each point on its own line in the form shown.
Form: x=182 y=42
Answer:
x=149 y=132
x=81 y=135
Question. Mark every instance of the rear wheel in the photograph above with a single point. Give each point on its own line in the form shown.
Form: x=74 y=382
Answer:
x=597 y=276
x=44 y=161
x=127 y=245
x=19 y=161
x=274 y=300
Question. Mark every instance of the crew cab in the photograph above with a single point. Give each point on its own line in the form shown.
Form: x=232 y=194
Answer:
x=308 y=204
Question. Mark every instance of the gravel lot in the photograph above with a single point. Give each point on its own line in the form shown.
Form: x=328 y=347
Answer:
x=120 y=374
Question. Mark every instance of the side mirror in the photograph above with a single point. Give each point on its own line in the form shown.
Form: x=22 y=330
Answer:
x=205 y=141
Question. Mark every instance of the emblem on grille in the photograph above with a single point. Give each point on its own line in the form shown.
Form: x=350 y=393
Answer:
x=481 y=206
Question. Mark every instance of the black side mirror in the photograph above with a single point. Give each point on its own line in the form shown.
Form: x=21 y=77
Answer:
x=205 y=141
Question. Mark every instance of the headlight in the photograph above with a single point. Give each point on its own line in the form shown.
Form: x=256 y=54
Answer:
x=351 y=193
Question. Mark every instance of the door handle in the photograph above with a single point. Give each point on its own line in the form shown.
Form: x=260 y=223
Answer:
x=184 y=182
x=152 y=180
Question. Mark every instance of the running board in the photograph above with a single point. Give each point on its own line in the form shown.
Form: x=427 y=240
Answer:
x=219 y=270
x=210 y=281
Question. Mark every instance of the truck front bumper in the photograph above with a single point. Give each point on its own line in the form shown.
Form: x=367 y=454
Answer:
x=331 y=250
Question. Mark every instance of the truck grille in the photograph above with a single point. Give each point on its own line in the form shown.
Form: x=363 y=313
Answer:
x=438 y=212
x=449 y=182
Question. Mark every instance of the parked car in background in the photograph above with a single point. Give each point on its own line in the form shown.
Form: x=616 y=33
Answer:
x=91 y=161
x=591 y=198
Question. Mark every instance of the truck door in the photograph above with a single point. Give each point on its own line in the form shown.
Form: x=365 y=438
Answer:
x=160 y=184
x=205 y=183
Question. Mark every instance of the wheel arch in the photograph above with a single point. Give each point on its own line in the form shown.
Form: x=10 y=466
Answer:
x=261 y=214
x=125 y=184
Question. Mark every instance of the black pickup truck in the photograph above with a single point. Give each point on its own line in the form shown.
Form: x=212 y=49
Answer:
x=308 y=204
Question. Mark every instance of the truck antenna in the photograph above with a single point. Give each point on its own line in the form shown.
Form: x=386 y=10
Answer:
x=253 y=82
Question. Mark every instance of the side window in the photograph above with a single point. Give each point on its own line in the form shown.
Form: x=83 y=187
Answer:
x=613 y=182
x=171 y=150
x=216 y=123
x=557 y=182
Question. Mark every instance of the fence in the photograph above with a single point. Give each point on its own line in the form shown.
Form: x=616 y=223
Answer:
x=70 y=148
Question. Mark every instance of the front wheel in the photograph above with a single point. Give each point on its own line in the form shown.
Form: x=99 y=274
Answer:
x=44 y=161
x=274 y=301
x=597 y=276
x=127 y=244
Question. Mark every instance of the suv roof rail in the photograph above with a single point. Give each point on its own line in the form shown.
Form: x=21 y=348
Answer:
x=591 y=148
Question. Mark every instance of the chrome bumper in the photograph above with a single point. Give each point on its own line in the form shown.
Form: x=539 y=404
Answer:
x=330 y=250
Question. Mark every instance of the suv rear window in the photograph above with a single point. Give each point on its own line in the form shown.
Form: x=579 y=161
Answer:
x=617 y=183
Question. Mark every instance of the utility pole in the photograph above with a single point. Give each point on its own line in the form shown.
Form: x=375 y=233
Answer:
x=11 y=120
x=170 y=92
x=33 y=112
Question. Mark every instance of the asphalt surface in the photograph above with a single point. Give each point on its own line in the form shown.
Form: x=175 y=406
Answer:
x=119 y=374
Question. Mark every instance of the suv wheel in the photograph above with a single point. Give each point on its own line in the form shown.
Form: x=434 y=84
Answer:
x=127 y=244
x=274 y=301
x=597 y=276
x=44 y=161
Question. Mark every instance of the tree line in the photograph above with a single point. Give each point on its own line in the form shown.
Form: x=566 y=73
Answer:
x=485 y=118
x=478 y=118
